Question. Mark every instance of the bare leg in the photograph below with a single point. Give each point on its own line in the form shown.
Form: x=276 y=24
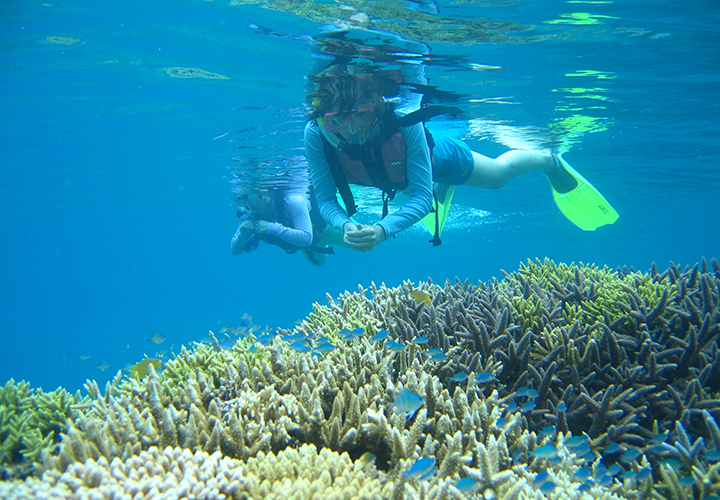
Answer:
x=495 y=173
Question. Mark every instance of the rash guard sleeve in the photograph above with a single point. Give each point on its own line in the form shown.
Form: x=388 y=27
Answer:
x=297 y=208
x=322 y=179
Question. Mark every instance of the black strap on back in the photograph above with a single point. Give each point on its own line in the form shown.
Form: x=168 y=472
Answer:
x=436 y=237
x=339 y=177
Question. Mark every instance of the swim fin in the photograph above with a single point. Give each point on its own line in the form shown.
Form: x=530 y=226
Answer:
x=583 y=204
x=442 y=207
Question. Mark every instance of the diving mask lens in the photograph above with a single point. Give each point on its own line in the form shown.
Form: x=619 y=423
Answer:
x=353 y=121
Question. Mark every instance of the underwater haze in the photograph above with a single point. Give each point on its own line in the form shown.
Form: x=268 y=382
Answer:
x=117 y=209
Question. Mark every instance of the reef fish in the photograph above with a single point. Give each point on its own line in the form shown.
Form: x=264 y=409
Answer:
x=459 y=377
x=420 y=296
x=102 y=366
x=547 y=451
x=467 y=485
x=156 y=338
x=324 y=348
x=380 y=336
x=422 y=469
x=143 y=367
x=407 y=402
x=484 y=377
x=393 y=346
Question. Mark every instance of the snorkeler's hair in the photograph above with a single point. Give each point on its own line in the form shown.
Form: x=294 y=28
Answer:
x=339 y=87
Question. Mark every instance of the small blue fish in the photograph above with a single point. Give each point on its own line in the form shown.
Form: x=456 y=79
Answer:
x=547 y=431
x=612 y=449
x=484 y=377
x=547 y=451
x=582 y=474
x=522 y=392
x=440 y=357
x=547 y=487
x=644 y=473
x=245 y=321
x=300 y=347
x=349 y=335
x=532 y=394
x=393 y=346
x=422 y=469
x=459 y=377
x=540 y=478
x=322 y=340
x=433 y=352
x=562 y=408
x=604 y=479
x=501 y=422
x=512 y=407
x=629 y=475
x=658 y=449
x=529 y=406
x=407 y=402
x=421 y=340
x=614 y=469
x=585 y=487
x=467 y=486
x=630 y=455
x=712 y=456
x=659 y=438
x=589 y=456
x=264 y=339
x=582 y=449
x=380 y=336
x=324 y=348
x=687 y=481
x=672 y=463
x=293 y=338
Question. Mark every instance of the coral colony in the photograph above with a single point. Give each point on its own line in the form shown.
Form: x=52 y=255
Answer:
x=558 y=381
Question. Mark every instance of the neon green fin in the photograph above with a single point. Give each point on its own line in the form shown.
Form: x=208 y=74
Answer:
x=584 y=205
x=443 y=208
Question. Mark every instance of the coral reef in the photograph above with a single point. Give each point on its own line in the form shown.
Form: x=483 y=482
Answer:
x=31 y=420
x=511 y=374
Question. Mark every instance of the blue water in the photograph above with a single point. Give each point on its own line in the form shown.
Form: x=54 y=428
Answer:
x=114 y=195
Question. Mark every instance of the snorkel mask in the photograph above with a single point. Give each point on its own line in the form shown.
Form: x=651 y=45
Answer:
x=355 y=125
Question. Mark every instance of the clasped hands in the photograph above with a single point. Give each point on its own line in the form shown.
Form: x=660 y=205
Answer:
x=363 y=238
x=253 y=226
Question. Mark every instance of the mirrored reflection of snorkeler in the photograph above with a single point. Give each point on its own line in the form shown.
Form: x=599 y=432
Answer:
x=286 y=218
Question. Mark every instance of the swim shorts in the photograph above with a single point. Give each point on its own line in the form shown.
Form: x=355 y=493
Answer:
x=452 y=160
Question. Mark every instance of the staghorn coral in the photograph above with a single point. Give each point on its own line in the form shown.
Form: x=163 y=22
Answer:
x=622 y=378
x=31 y=420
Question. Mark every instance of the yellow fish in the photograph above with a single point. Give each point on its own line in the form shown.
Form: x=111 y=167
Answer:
x=143 y=367
x=84 y=357
x=420 y=296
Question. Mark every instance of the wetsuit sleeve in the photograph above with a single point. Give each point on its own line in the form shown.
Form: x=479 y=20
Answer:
x=297 y=208
x=322 y=179
x=419 y=172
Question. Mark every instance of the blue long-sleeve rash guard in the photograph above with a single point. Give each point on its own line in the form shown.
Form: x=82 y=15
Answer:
x=419 y=172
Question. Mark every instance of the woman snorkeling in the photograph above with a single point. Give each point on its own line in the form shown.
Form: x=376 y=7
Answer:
x=355 y=136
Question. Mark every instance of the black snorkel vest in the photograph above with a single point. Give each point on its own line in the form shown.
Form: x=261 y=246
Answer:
x=384 y=167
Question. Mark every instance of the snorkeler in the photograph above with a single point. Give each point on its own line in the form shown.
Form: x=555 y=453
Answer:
x=355 y=136
x=287 y=218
